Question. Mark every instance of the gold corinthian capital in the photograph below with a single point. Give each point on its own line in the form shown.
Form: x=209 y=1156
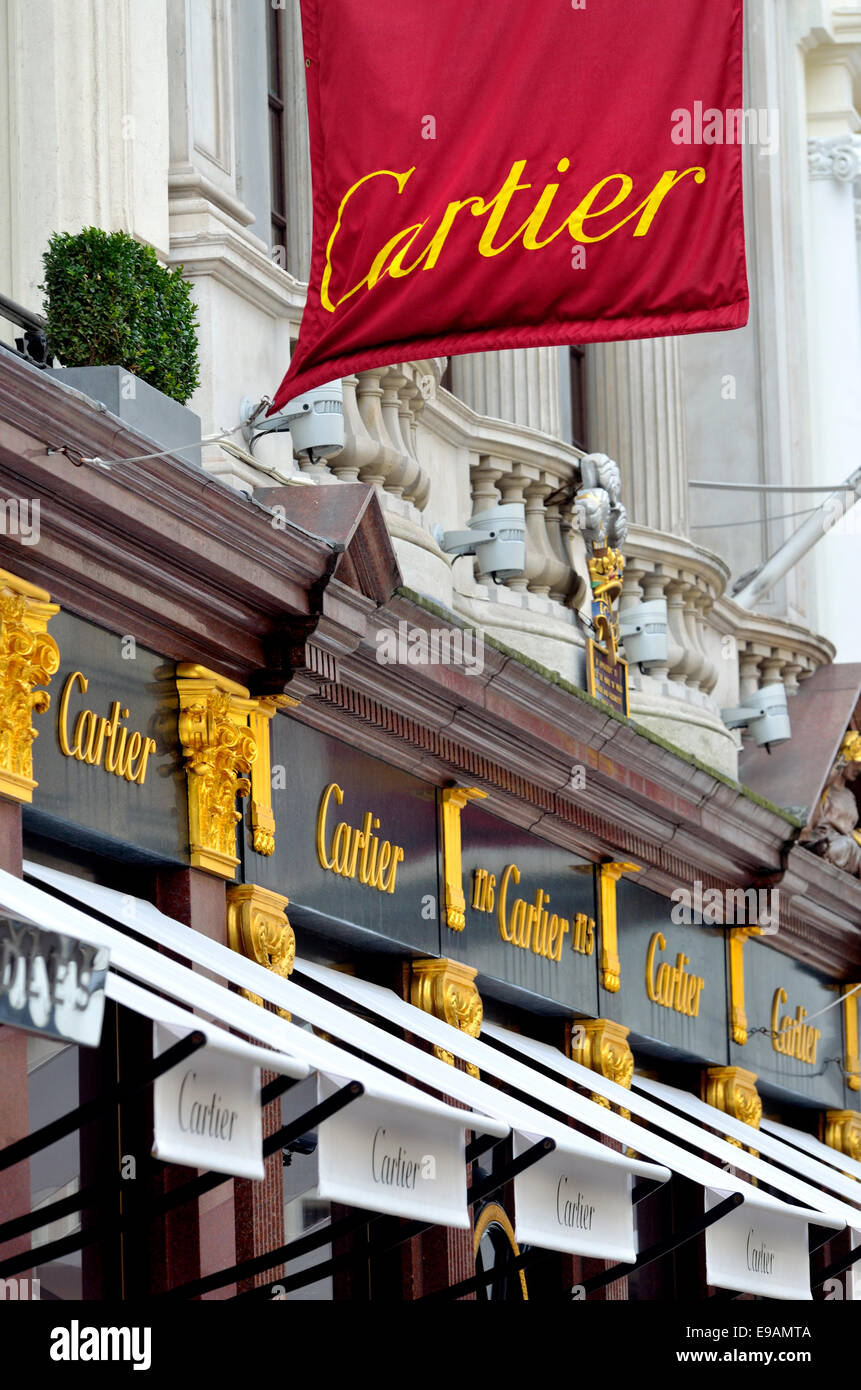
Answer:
x=219 y=749
x=29 y=657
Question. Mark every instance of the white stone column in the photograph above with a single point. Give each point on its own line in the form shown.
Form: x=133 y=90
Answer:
x=83 y=137
x=521 y=385
x=299 y=204
x=835 y=366
x=635 y=416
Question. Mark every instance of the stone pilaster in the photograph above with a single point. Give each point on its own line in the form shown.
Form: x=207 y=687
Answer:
x=521 y=385
x=636 y=416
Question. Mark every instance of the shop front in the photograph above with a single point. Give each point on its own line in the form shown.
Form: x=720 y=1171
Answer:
x=328 y=978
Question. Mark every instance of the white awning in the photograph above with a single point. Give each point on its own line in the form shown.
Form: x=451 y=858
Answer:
x=206 y=1111
x=761 y=1247
x=760 y=1139
x=372 y=1152
x=832 y=1158
x=594 y=1177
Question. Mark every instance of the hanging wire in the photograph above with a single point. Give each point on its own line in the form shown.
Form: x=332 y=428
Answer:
x=79 y=459
x=757 y=520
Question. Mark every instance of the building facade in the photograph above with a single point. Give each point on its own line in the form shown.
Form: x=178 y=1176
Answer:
x=253 y=692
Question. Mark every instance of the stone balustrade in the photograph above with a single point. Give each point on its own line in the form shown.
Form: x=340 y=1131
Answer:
x=436 y=461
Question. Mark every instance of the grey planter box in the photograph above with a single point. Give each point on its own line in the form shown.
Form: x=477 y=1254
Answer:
x=140 y=406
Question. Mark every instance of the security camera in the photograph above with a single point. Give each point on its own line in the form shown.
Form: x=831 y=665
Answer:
x=497 y=537
x=643 y=629
x=315 y=421
x=765 y=716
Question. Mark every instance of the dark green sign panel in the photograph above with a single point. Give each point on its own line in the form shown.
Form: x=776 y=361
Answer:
x=787 y=1047
x=673 y=993
x=356 y=846
x=530 y=917
x=107 y=759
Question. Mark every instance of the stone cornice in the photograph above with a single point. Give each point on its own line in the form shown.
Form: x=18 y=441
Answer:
x=518 y=736
x=162 y=549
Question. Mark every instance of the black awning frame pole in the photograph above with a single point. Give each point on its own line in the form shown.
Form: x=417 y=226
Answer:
x=106 y=1184
x=836 y=1267
x=478 y=1281
x=400 y=1230
x=481 y=1144
x=206 y=1182
x=672 y=1242
x=599 y=1281
x=823 y=1240
x=94 y=1109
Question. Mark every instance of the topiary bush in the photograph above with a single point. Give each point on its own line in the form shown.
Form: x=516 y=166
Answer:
x=108 y=302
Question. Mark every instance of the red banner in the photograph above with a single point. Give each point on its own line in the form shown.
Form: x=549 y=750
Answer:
x=508 y=173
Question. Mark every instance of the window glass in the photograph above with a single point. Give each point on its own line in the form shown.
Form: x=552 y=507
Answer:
x=55 y=1172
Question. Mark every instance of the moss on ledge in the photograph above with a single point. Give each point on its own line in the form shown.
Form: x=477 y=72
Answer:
x=438 y=610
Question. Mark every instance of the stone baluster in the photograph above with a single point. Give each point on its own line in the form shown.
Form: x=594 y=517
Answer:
x=789 y=673
x=654 y=585
x=359 y=449
x=512 y=485
x=540 y=558
x=682 y=659
x=485 y=476
x=750 y=656
x=704 y=604
x=562 y=576
x=411 y=405
x=698 y=661
x=403 y=478
x=388 y=461
x=574 y=550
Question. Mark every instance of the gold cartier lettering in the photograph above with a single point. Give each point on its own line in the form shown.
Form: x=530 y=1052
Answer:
x=792 y=1037
x=531 y=926
x=353 y=853
x=598 y=203
x=670 y=985
x=99 y=740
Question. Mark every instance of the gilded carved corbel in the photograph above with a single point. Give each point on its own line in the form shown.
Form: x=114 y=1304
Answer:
x=453 y=800
x=29 y=657
x=733 y=1090
x=602 y=1045
x=843 y=1132
x=446 y=989
x=220 y=750
x=258 y=927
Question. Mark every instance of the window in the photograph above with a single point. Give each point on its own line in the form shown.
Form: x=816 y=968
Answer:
x=277 y=132
x=577 y=376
